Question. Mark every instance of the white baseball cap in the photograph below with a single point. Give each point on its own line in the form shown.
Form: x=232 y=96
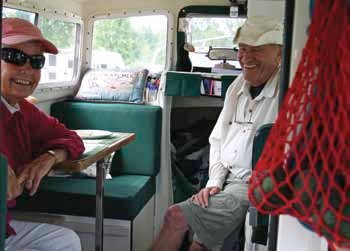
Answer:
x=259 y=30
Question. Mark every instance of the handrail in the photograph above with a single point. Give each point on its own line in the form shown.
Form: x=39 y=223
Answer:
x=284 y=85
x=287 y=48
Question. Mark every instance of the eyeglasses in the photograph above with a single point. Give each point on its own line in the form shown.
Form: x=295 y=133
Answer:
x=18 y=57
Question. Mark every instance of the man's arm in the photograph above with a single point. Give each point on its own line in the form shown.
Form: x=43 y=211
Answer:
x=39 y=167
x=217 y=171
x=48 y=133
x=217 y=167
x=52 y=142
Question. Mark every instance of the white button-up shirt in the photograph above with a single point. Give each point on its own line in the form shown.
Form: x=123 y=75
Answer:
x=231 y=140
x=12 y=109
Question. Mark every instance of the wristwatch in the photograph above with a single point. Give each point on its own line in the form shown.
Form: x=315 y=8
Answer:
x=52 y=153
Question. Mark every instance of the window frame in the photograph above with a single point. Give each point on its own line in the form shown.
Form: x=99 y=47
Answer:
x=24 y=10
x=77 y=51
x=198 y=11
x=135 y=13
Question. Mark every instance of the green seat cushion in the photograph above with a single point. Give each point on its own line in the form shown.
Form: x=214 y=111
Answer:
x=124 y=196
x=142 y=156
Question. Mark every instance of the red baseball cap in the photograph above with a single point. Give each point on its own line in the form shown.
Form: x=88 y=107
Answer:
x=16 y=31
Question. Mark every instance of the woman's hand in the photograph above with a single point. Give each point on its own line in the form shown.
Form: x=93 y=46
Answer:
x=34 y=171
x=202 y=197
x=14 y=184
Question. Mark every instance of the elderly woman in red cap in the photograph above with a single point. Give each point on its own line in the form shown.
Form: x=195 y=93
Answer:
x=32 y=141
x=218 y=210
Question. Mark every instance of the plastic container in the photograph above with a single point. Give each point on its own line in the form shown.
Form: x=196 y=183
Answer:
x=152 y=91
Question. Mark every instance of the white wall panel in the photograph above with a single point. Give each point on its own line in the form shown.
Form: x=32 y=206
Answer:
x=266 y=8
x=292 y=236
x=301 y=23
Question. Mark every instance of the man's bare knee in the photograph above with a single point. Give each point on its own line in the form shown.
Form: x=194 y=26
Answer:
x=175 y=219
x=172 y=232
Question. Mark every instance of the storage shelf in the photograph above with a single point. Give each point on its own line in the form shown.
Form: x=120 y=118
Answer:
x=188 y=84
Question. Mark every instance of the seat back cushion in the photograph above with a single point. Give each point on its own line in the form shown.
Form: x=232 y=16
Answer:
x=141 y=156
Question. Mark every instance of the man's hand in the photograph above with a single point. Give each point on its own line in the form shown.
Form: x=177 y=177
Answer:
x=202 y=197
x=14 y=184
x=35 y=171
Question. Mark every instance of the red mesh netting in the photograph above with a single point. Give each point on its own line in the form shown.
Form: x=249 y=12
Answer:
x=304 y=169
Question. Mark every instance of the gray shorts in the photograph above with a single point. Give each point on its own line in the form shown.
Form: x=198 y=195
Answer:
x=225 y=214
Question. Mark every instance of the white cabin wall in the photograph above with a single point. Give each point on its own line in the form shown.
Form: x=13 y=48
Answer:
x=183 y=3
x=266 y=8
x=105 y=6
x=173 y=6
x=301 y=24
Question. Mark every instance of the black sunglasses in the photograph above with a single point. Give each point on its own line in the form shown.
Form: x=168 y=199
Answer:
x=18 y=57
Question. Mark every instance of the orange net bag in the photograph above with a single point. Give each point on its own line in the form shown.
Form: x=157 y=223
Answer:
x=304 y=169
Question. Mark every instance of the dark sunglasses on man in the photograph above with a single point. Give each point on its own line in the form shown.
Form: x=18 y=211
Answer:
x=18 y=57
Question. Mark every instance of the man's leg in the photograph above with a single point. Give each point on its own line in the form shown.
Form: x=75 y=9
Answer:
x=41 y=237
x=172 y=232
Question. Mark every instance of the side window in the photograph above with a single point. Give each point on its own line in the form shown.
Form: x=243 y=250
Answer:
x=217 y=32
x=128 y=43
x=63 y=66
x=9 y=12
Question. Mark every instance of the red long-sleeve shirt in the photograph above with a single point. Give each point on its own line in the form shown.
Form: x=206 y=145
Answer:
x=29 y=132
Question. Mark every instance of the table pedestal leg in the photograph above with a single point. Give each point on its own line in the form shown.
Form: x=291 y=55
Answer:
x=100 y=177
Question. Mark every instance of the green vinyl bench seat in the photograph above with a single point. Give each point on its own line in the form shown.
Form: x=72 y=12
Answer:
x=133 y=169
x=124 y=196
x=142 y=156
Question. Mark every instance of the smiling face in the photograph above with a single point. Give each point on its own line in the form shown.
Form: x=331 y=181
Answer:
x=18 y=82
x=259 y=62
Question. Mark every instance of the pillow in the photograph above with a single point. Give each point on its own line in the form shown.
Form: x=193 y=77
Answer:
x=109 y=85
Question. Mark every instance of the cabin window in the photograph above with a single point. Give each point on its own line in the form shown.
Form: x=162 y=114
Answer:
x=128 y=43
x=211 y=31
x=10 y=12
x=64 y=35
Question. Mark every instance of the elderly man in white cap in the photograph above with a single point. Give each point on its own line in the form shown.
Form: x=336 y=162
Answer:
x=32 y=141
x=219 y=209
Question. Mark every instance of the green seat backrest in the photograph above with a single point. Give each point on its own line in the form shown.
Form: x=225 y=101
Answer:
x=259 y=142
x=3 y=188
x=142 y=156
x=260 y=232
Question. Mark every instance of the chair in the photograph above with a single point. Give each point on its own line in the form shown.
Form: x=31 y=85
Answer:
x=264 y=227
x=3 y=188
